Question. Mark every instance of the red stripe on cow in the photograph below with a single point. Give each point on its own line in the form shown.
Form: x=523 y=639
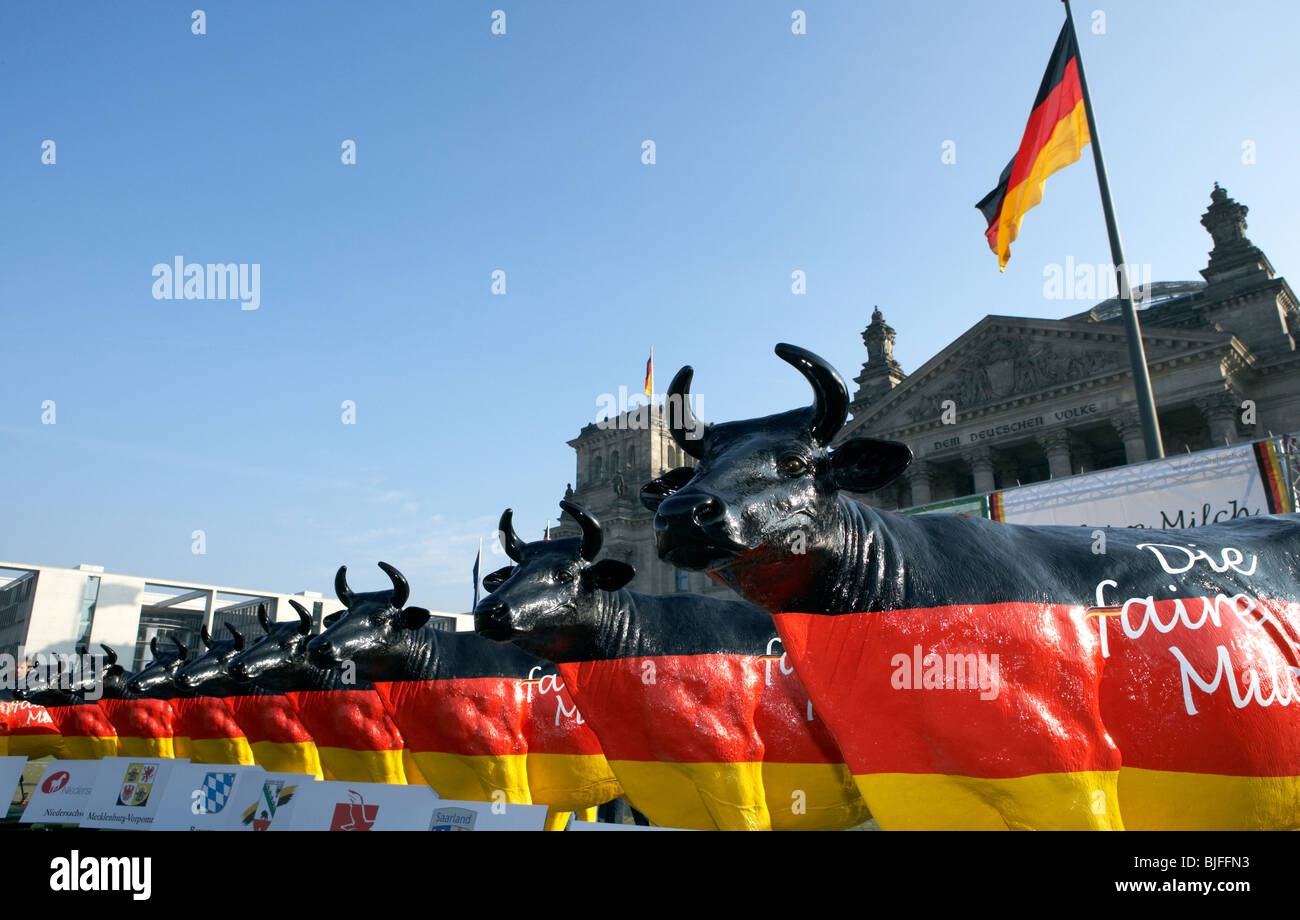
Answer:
x=81 y=720
x=140 y=718
x=1158 y=686
x=678 y=708
x=268 y=718
x=28 y=719
x=204 y=718
x=354 y=720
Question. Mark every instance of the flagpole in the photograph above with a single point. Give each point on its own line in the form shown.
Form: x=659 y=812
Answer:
x=1136 y=353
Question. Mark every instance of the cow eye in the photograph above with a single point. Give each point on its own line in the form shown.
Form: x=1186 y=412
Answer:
x=564 y=576
x=794 y=465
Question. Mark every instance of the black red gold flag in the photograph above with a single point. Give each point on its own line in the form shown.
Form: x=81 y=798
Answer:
x=1054 y=137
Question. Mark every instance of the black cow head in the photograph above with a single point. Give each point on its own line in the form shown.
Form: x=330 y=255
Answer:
x=766 y=488
x=207 y=674
x=69 y=682
x=374 y=633
x=277 y=660
x=155 y=680
x=551 y=592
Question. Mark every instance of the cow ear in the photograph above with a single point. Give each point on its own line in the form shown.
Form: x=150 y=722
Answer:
x=494 y=580
x=608 y=575
x=333 y=618
x=415 y=617
x=656 y=490
x=866 y=464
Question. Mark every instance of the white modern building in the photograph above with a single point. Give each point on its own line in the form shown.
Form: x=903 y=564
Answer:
x=47 y=610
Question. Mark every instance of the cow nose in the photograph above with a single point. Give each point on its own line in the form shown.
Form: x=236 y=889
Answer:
x=321 y=653
x=692 y=509
x=238 y=671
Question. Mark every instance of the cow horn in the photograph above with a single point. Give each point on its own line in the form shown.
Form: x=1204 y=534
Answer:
x=509 y=539
x=304 y=618
x=263 y=618
x=112 y=655
x=341 y=586
x=153 y=646
x=239 y=637
x=831 y=407
x=180 y=647
x=685 y=420
x=401 y=588
x=592 y=535
x=204 y=636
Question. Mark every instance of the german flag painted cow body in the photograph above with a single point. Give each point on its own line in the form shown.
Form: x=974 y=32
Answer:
x=700 y=715
x=474 y=715
x=985 y=675
x=353 y=736
x=143 y=719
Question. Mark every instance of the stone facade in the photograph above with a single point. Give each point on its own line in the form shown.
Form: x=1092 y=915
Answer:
x=1016 y=400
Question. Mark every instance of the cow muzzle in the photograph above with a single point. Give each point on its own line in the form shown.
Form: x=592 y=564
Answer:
x=492 y=619
x=691 y=531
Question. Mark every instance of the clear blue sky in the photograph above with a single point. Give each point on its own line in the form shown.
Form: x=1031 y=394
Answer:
x=522 y=152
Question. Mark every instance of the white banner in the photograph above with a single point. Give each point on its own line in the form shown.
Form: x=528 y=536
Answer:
x=450 y=815
x=337 y=806
x=63 y=792
x=263 y=801
x=1190 y=490
x=128 y=791
x=198 y=795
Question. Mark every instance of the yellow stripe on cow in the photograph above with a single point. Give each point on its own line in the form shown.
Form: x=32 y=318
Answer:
x=696 y=796
x=88 y=747
x=1164 y=800
x=213 y=750
x=1086 y=800
x=288 y=757
x=812 y=797
x=146 y=747
x=571 y=782
x=349 y=766
x=476 y=778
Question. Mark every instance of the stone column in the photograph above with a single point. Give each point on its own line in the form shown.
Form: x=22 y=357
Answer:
x=981 y=467
x=1056 y=445
x=1129 y=425
x=1220 y=413
x=919 y=476
x=1008 y=473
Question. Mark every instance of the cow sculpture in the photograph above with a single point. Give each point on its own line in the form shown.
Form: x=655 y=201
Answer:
x=354 y=736
x=986 y=675
x=281 y=742
x=206 y=729
x=29 y=729
x=85 y=729
x=478 y=725
x=703 y=723
x=143 y=718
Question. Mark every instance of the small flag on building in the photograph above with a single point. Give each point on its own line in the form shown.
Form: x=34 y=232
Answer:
x=546 y=535
x=650 y=373
x=1054 y=137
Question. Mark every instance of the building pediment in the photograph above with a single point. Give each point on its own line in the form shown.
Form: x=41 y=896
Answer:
x=1005 y=360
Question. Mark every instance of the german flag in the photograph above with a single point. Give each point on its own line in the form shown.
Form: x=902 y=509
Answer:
x=650 y=373
x=1055 y=135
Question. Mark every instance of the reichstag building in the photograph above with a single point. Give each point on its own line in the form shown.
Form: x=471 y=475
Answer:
x=1016 y=400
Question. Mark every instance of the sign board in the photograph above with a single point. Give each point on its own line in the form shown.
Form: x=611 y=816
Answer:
x=1192 y=490
x=62 y=793
x=197 y=796
x=128 y=791
x=11 y=770
x=262 y=801
x=1182 y=491
x=606 y=826
x=450 y=815
x=338 y=806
